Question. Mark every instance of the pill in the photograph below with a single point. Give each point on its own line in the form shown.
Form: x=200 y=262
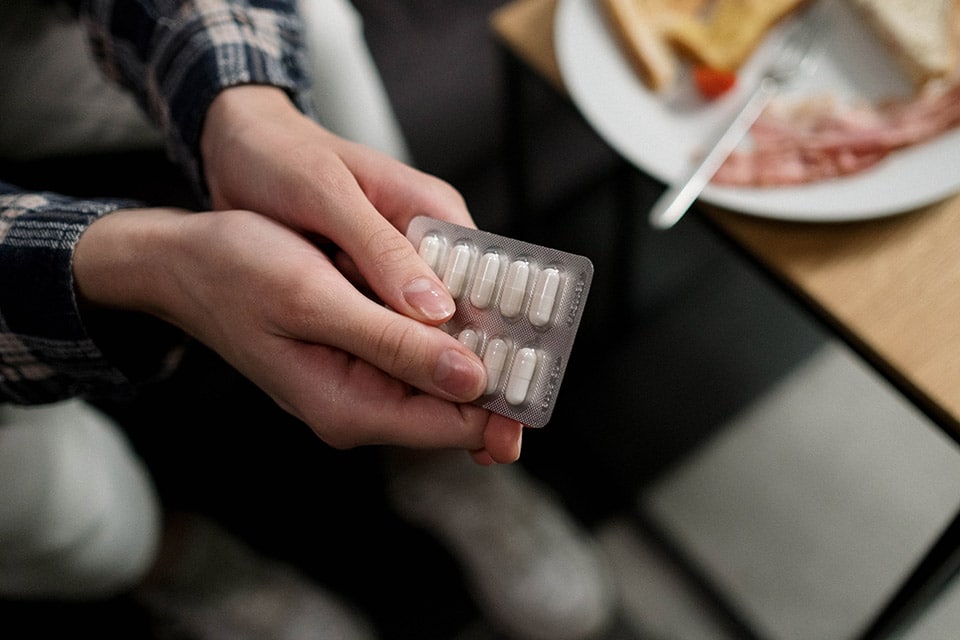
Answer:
x=521 y=374
x=494 y=360
x=470 y=339
x=514 y=288
x=455 y=275
x=544 y=297
x=486 y=280
x=429 y=250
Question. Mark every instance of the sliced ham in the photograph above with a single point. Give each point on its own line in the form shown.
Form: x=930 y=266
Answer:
x=819 y=138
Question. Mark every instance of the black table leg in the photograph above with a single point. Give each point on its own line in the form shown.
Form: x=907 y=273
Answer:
x=928 y=579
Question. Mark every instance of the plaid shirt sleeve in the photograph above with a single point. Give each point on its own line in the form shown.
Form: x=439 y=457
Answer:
x=176 y=57
x=46 y=352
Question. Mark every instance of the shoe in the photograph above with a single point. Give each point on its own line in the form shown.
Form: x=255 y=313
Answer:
x=220 y=589
x=534 y=572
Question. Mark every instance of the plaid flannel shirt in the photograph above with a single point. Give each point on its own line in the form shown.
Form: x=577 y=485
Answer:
x=175 y=57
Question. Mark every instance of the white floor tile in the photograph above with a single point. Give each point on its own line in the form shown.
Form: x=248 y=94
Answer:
x=657 y=600
x=810 y=505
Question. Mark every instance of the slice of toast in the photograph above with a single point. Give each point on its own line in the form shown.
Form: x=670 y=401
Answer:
x=641 y=27
x=731 y=31
x=658 y=36
x=635 y=25
x=921 y=34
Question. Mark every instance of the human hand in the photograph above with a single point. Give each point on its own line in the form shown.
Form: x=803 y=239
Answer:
x=278 y=310
x=261 y=154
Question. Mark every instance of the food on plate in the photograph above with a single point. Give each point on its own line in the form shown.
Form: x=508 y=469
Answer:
x=659 y=36
x=921 y=34
x=820 y=138
x=713 y=83
x=640 y=26
x=731 y=31
x=813 y=138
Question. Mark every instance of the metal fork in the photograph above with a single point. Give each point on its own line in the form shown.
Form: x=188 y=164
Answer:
x=791 y=59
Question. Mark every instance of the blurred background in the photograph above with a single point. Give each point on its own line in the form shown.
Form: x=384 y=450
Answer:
x=707 y=421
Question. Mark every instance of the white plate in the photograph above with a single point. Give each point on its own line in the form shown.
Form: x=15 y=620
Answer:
x=660 y=134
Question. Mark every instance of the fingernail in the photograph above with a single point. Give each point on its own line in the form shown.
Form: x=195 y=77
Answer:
x=429 y=298
x=458 y=375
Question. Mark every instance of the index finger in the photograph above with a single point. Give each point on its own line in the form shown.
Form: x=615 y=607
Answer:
x=390 y=265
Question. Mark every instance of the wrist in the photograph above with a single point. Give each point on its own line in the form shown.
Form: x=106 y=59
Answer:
x=121 y=260
x=238 y=110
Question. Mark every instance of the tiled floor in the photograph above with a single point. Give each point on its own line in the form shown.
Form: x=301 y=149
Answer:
x=812 y=503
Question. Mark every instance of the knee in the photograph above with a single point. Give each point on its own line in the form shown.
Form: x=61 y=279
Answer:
x=78 y=513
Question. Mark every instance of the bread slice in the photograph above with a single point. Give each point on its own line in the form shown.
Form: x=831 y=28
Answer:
x=921 y=34
x=730 y=32
x=634 y=23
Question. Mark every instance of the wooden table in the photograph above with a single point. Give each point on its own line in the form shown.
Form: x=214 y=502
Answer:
x=889 y=287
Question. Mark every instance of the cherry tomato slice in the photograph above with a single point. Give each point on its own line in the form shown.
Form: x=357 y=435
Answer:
x=713 y=83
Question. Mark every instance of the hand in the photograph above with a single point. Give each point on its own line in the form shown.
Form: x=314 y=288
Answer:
x=263 y=155
x=278 y=310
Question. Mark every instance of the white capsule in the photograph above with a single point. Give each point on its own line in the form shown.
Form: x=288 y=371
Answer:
x=514 y=288
x=455 y=275
x=429 y=250
x=470 y=339
x=521 y=374
x=486 y=280
x=494 y=360
x=544 y=297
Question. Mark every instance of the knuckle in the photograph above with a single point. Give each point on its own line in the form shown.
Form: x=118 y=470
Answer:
x=299 y=310
x=387 y=249
x=400 y=347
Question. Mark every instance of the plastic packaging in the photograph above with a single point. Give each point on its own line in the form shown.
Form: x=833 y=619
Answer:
x=518 y=307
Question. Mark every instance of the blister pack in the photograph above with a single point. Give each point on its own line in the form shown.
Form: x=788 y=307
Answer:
x=518 y=307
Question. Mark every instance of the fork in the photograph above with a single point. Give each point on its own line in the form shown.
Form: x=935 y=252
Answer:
x=790 y=60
